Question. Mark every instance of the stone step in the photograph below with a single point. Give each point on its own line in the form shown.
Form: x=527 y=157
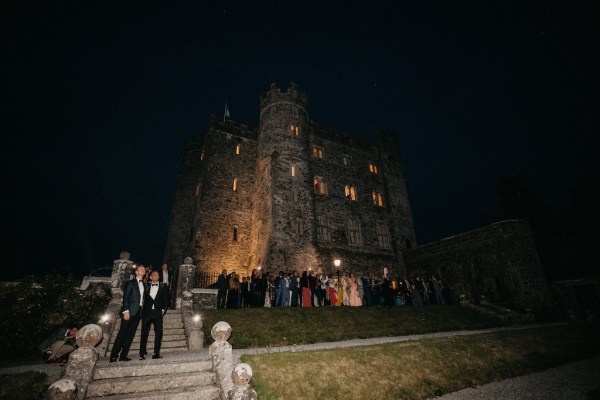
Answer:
x=172 y=324
x=178 y=344
x=148 y=367
x=144 y=383
x=178 y=335
x=204 y=393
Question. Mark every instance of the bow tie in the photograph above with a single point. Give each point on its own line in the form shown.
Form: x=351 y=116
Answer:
x=140 y=281
x=156 y=284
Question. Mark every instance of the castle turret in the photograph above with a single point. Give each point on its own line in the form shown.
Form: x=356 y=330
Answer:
x=283 y=208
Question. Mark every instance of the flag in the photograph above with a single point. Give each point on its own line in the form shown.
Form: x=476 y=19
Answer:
x=226 y=113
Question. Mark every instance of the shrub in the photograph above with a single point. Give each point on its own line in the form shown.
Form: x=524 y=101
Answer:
x=37 y=306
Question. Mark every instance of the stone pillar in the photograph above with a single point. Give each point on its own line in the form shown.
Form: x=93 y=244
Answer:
x=185 y=282
x=241 y=377
x=122 y=268
x=192 y=325
x=221 y=355
x=80 y=367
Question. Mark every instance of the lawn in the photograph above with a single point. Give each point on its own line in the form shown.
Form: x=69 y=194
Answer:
x=260 y=327
x=417 y=369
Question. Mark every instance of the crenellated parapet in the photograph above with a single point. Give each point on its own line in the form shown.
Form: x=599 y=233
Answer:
x=292 y=96
x=232 y=127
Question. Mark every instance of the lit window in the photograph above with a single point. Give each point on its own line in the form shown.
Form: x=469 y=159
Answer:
x=235 y=233
x=350 y=192
x=318 y=153
x=372 y=168
x=320 y=186
x=383 y=236
x=197 y=189
x=235 y=184
x=295 y=130
x=377 y=199
x=201 y=156
x=293 y=170
x=323 y=228
x=354 y=231
x=237 y=149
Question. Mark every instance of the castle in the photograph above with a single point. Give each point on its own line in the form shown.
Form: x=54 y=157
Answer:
x=290 y=195
x=293 y=195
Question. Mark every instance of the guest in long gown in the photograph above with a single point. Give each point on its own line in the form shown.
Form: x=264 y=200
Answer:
x=346 y=289
x=354 y=298
x=331 y=290
x=305 y=287
x=270 y=287
x=339 y=293
x=234 y=290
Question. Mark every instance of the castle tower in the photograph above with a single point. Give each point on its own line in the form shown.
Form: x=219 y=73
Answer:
x=400 y=214
x=283 y=208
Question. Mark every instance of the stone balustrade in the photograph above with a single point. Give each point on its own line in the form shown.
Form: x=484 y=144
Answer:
x=234 y=380
x=78 y=373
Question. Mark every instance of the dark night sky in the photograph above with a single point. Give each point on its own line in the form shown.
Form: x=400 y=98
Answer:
x=100 y=98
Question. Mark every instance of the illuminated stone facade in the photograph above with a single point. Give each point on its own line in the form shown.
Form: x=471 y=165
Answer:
x=290 y=195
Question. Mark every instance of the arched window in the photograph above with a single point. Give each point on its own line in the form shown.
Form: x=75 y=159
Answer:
x=235 y=184
x=372 y=168
x=350 y=192
x=319 y=185
x=197 y=189
x=293 y=170
x=238 y=149
x=377 y=199
x=235 y=233
x=202 y=156
x=354 y=236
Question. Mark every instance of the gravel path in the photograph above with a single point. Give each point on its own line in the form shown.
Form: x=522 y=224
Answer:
x=567 y=382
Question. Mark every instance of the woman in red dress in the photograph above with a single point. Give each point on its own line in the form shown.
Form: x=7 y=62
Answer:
x=305 y=287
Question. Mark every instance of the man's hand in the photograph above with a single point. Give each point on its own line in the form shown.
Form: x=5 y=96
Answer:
x=126 y=316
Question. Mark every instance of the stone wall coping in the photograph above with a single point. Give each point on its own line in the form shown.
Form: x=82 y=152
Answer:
x=205 y=291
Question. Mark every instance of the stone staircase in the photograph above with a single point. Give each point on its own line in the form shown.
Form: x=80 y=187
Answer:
x=180 y=375
x=173 y=336
x=177 y=376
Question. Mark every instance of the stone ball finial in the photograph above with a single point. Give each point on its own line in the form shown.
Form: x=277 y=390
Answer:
x=62 y=389
x=241 y=374
x=188 y=260
x=89 y=336
x=124 y=255
x=221 y=331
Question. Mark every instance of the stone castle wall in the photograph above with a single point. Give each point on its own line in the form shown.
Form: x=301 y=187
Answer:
x=499 y=261
x=280 y=220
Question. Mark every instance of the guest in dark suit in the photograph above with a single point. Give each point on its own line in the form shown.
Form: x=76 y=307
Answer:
x=131 y=311
x=156 y=302
x=223 y=285
x=165 y=275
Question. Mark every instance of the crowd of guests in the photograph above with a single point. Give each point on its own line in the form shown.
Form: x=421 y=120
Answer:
x=309 y=289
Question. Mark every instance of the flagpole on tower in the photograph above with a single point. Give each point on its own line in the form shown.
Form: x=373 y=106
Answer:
x=226 y=113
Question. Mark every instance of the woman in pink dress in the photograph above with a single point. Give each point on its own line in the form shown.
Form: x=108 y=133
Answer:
x=354 y=294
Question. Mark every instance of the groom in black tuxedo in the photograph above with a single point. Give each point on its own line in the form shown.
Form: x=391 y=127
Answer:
x=133 y=296
x=156 y=301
